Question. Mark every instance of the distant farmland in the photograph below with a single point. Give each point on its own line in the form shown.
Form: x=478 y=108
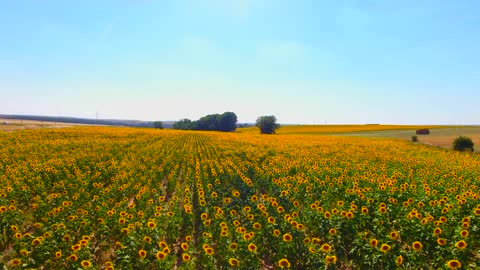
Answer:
x=442 y=136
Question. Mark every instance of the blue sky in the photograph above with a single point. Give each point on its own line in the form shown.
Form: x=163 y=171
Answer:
x=305 y=61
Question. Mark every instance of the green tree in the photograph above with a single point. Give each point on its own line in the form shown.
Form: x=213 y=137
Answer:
x=185 y=124
x=158 y=124
x=267 y=124
x=227 y=122
x=208 y=122
x=463 y=143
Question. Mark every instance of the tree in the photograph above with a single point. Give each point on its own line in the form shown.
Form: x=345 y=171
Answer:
x=208 y=122
x=267 y=124
x=227 y=122
x=463 y=143
x=185 y=124
x=158 y=124
x=219 y=122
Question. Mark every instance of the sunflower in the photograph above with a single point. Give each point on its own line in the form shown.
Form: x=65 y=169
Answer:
x=234 y=262
x=464 y=233
x=461 y=244
x=185 y=257
x=287 y=237
x=209 y=251
x=454 y=264
x=147 y=239
x=330 y=259
x=248 y=236
x=384 y=248
x=184 y=246
x=86 y=264
x=142 y=253
x=37 y=241
x=394 y=235
x=233 y=246
x=15 y=262
x=284 y=263
x=161 y=256
x=151 y=225
x=252 y=247
x=437 y=231
x=326 y=248
x=417 y=246
x=399 y=260
x=441 y=241
x=374 y=243
x=58 y=254
x=73 y=257
x=76 y=247
x=332 y=231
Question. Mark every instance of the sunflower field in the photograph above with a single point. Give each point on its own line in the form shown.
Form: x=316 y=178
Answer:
x=122 y=198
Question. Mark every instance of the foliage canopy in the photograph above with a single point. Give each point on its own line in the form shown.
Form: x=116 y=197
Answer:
x=226 y=122
x=267 y=124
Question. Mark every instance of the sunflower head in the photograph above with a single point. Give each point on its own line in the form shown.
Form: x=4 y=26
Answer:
x=417 y=246
x=454 y=264
x=284 y=263
x=233 y=262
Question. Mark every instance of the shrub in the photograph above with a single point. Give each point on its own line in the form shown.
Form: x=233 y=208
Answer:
x=414 y=138
x=463 y=143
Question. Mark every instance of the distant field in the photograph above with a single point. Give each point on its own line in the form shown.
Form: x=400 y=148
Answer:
x=321 y=129
x=14 y=124
x=442 y=136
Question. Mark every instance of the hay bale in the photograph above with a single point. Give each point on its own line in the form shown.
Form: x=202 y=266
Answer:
x=423 y=131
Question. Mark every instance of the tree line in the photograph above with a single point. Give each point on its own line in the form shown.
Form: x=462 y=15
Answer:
x=226 y=122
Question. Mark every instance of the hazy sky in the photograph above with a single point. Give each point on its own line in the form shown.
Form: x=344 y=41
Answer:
x=305 y=61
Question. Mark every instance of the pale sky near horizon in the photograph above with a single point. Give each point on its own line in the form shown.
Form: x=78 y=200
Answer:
x=304 y=61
